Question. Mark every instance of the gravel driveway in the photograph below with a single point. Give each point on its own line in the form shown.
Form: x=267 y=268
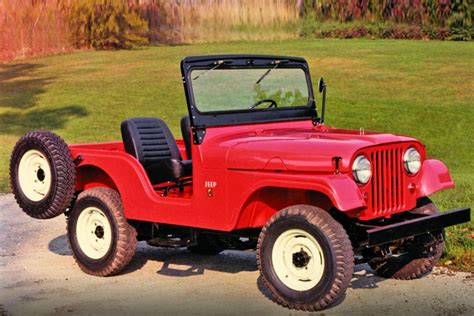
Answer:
x=38 y=276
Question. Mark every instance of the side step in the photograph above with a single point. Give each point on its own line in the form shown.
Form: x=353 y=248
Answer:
x=169 y=242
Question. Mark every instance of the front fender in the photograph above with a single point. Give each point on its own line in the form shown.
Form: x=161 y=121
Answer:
x=342 y=192
x=340 y=189
x=434 y=177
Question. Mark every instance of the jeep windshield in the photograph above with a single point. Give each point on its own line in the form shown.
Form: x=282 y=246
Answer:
x=231 y=89
x=249 y=89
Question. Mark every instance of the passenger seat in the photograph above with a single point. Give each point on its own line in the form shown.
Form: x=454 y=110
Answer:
x=150 y=141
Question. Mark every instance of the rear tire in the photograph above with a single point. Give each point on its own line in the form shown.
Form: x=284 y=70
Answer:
x=42 y=174
x=102 y=241
x=305 y=258
x=422 y=252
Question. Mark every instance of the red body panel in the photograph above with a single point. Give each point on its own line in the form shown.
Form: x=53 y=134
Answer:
x=434 y=177
x=243 y=174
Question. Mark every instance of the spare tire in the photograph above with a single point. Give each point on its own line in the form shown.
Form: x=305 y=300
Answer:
x=42 y=174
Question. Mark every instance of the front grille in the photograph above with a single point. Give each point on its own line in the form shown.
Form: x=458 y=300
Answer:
x=388 y=180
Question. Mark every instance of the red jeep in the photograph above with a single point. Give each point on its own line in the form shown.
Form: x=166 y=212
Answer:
x=256 y=169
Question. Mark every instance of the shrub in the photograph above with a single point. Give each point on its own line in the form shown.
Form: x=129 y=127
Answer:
x=401 y=19
x=32 y=28
x=460 y=25
x=106 y=24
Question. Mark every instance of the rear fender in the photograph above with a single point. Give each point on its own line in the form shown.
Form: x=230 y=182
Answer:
x=88 y=176
x=117 y=170
x=434 y=177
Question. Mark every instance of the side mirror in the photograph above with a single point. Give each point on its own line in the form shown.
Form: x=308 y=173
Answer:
x=322 y=89
x=321 y=84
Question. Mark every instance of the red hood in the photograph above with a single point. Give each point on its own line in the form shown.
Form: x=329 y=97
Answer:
x=298 y=149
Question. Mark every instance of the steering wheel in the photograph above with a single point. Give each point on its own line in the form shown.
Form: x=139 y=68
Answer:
x=273 y=103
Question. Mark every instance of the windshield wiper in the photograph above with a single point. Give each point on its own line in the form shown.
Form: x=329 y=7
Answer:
x=276 y=63
x=217 y=65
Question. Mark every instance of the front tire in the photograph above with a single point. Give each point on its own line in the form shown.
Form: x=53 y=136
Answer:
x=305 y=258
x=102 y=241
x=416 y=256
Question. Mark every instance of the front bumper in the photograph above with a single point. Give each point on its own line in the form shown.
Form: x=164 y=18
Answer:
x=417 y=226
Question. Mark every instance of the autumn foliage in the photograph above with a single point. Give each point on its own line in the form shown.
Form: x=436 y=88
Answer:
x=32 y=27
x=37 y=27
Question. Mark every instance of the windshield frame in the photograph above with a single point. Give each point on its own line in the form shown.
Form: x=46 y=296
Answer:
x=245 y=116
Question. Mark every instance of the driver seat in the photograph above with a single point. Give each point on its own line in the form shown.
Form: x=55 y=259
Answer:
x=150 y=141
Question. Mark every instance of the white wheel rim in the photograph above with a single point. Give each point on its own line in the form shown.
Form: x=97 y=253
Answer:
x=298 y=259
x=94 y=233
x=34 y=175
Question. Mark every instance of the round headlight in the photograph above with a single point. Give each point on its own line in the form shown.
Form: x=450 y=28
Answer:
x=361 y=169
x=412 y=160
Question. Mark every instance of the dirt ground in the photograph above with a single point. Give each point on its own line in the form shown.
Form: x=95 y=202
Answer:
x=39 y=276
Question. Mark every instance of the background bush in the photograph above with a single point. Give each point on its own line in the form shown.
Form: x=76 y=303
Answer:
x=409 y=19
x=34 y=27
x=106 y=24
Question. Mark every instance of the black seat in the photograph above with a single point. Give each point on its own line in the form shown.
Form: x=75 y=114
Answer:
x=186 y=131
x=151 y=142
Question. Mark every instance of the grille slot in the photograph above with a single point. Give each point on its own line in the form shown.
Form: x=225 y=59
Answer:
x=388 y=180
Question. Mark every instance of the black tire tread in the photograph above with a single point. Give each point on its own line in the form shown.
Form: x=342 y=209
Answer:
x=342 y=247
x=127 y=241
x=65 y=174
x=417 y=267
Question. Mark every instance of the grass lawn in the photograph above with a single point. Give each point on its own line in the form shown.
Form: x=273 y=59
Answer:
x=417 y=88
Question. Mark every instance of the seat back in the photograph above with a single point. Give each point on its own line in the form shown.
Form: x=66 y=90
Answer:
x=186 y=131
x=149 y=139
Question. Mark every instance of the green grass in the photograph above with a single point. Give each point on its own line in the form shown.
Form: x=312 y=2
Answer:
x=417 y=88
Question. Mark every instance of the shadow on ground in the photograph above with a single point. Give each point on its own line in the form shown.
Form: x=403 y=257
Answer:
x=60 y=246
x=180 y=262
x=177 y=262
x=19 y=87
x=362 y=278
x=20 y=122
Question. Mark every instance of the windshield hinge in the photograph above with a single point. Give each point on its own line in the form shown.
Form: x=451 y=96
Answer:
x=198 y=135
x=316 y=120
